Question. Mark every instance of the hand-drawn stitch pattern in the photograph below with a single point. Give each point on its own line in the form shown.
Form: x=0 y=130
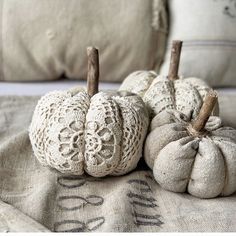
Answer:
x=144 y=187
x=147 y=220
x=73 y=183
x=141 y=200
x=79 y=226
x=89 y=200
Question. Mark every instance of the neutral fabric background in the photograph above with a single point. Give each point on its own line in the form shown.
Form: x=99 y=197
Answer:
x=36 y=198
x=38 y=88
x=42 y=40
x=207 y=28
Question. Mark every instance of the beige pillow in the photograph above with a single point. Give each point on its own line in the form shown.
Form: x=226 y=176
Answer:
x=45 y=39
x=208 y=29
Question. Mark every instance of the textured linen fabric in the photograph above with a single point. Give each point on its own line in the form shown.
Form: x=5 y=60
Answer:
x=102 y=135
x=183 y=161
x=207 y=29
x=159 y=93
x=37 y=197
x=13 y=220
x=42 y=40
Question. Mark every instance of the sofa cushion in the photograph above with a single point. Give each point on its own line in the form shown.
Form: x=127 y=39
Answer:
x=207 y=28
x=41 y=40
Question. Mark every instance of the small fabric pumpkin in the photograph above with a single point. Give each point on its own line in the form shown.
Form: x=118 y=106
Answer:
x=168 y=92
x=100 y=133
x=196 y=156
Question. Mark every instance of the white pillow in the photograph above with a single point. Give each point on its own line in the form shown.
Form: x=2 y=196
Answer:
x=44 y=39
x=208 y=31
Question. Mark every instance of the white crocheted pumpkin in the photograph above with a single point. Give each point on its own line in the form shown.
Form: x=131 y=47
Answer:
x=101 y=134
x=184 y=158
x=168 y=92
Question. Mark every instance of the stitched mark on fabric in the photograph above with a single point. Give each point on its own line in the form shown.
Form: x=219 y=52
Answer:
x=73 y=199
x=75 y=181
x=141 y=199
x=143 y=185
x=79 y=226
x=80 y=201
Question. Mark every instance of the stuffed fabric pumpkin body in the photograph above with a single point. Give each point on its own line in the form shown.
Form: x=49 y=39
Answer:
x=159 y=93
x=102 y=135
x=204 y=165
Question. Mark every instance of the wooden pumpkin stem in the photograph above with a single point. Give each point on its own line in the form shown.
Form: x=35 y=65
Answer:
x=205 y=111
x=93 y=71
x=175 y=59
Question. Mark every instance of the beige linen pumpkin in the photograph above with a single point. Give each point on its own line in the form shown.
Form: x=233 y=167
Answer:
x=169 y=92
x=102 y=135
x=159 y=93
x=203 y=164
x=97 y=132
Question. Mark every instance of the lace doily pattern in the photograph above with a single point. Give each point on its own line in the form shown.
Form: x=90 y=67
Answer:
x=102 y=135
x=43 y=111
x=159 y=93
x=135 y=125
x=199 y=84
x=187 y=99
x=64 y=135
x=165 y=94
x=138 y=82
